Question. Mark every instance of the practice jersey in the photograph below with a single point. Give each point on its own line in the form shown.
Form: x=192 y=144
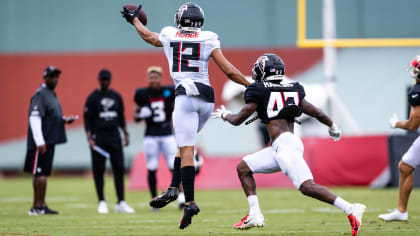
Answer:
x=275 y=100
x=161 y=103
x=45 y=104
x=414 y=95
x=188 y=54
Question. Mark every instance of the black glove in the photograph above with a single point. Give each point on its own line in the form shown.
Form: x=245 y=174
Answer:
x=130 y=15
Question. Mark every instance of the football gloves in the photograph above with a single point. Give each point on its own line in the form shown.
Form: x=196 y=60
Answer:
x=130 y=15
x=335 y=132
x=220 y=113
x=393 y=121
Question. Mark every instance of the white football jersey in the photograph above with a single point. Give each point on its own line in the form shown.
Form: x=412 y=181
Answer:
x=188 y=54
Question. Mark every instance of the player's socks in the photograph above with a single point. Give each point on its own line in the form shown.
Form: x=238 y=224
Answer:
x=151 y=177
x=343 y=205
x=188 y=177
x=176 y=173
x=254 y=206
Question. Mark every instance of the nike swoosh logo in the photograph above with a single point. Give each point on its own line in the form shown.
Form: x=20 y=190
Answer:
x=246 y=222
x=356 y=225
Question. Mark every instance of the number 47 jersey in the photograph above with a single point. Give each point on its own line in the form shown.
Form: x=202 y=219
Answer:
x=275 y=100
x=188 y=54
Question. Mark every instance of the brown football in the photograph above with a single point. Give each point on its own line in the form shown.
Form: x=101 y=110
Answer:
x=142 y=14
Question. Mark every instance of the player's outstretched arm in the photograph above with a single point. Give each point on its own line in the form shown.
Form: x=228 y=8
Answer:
x=230 y=71
x=412 y=123
x=235 y=119
x=146 y=34
x=313 y=111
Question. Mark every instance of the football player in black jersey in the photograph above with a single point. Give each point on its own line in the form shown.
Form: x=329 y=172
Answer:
x=155 y=104
x=411 y=159
x=277 y=105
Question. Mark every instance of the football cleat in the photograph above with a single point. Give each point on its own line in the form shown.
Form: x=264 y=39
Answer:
x=102 y=207
x=48 y=210
x=165 y=198
x=123 y=207
x=189 y=211
x=355 y=218
x=394 y=215
x=36 y=211
x=250 y=221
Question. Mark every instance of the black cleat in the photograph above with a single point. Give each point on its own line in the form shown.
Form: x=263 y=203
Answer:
x=48 y=210
x=165 y=198
x=189 y=211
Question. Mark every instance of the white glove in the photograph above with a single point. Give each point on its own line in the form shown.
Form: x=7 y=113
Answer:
x=393 y=121
x=220 y=113
x=144 y=113
x=335 y=132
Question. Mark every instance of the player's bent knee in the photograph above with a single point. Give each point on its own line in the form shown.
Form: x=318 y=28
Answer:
x=405 y=168
x=307 y=188
x=242 y=169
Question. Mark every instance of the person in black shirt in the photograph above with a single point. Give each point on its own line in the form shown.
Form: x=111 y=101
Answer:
x=103 y=115
x=155 y=104
x=46 y=129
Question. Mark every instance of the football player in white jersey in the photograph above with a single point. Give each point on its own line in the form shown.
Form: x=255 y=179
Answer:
x=188 y=50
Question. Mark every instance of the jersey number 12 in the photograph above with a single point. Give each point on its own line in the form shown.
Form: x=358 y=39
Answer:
x=180 y=62
x=279 y=100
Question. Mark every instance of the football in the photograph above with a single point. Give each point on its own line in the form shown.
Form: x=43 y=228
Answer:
x=142 y=14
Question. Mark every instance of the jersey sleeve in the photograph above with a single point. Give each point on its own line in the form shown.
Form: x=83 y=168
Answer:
x=38 y=105
x=301 y=92
x=139 y=98
x=88 y=113
x=251 y=94
x=212 y=43
x=414 y=97
x=164 y=35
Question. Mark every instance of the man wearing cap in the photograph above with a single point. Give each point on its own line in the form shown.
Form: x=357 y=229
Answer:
x=103 y=116
x=46 y=129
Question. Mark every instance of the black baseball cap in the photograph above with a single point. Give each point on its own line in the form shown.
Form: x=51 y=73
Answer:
x=51 y=71
x=104 y=74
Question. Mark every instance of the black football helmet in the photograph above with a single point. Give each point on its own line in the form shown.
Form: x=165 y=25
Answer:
x=189 y=17
x=268 y=67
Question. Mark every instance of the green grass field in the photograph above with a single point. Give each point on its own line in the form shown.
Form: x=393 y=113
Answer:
x=286 y=212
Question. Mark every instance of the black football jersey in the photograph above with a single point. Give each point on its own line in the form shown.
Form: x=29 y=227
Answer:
x=414 y=95
x=275 y=100
x=161 y=103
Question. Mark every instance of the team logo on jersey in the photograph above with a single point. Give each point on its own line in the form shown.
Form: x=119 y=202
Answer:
x=107 y=103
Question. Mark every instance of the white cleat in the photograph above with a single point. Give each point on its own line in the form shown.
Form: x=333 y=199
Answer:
x=123 y=207
x=250 y=221
x=394 y=215
x=355 y=218
x=102 y=207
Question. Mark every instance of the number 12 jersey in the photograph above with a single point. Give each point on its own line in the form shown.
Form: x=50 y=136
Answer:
x=188 y=54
